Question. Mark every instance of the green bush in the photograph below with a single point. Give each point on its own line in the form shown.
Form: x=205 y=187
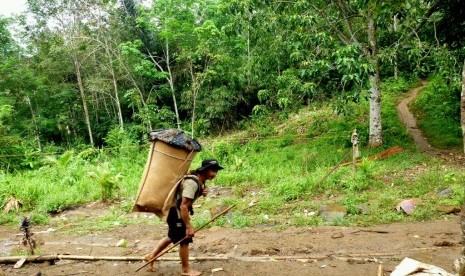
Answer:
x=441 y=102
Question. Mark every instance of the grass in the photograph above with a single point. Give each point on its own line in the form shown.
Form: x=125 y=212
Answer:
x=280 y=162
x=440 y=101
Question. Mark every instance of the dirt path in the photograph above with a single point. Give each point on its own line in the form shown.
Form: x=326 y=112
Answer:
x=250 y=251
x=410 y=123
x=409 y=120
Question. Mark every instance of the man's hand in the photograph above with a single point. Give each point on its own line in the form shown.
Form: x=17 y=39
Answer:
x=205 y=192
x=190 y=232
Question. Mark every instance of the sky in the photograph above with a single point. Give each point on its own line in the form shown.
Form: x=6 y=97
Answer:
x=10 y=7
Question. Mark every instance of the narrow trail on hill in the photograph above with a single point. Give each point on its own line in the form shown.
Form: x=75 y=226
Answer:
x=410 y=123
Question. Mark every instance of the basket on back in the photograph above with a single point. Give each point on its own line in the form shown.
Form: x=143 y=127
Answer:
x=170 y=155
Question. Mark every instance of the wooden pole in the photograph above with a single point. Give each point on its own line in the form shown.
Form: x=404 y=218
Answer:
x=365 y=256
x=174 y=245
x=333 y=169
x=55 y=257
x=355 y=151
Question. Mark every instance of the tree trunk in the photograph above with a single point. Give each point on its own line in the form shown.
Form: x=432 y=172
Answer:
x=461 y=261
x=394 y=27
x=115 y=87
x=375 y=135
x=462 y=217
x=37 y=132
x=171 y=82
x=195 y=90
x=462 y=106
x=84 y=104
x=169 y=78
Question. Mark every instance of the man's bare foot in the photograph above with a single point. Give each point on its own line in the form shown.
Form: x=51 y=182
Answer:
x=150 y=266
x=191 y=273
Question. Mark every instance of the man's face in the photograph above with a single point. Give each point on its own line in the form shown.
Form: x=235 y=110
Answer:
x=210 y=174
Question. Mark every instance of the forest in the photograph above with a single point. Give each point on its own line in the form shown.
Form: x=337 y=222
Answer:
x=272 y=89
x=102 y=73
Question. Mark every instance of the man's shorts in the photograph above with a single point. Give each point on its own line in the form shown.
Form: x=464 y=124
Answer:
x=176 y=227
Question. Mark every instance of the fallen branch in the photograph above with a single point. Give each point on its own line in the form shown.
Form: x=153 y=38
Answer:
x=370 y=231
x=47 y=258
x=332 y=170
x=381 y=155
x=367 y=257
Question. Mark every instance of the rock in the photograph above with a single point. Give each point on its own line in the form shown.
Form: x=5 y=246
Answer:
x=444 y=192
x=407 y=206
x=363 y=208
x=332 y=212
x=337 y=235
x=449 y=209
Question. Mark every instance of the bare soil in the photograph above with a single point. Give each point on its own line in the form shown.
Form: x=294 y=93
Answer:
x=249 y=251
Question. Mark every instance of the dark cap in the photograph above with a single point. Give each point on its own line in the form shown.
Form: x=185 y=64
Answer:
x=210 y=164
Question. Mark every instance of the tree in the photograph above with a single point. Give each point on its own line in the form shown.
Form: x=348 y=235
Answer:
x=174 y=26
x=67 y=18
x=358 y=16
x=462 y=106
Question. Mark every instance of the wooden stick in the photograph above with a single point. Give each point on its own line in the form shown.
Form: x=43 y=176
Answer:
x=380 y=270
x=332 y=169
x=381 y=155
x=174 y=245
x=54 y=257
x=365 y=256
x=370 y=231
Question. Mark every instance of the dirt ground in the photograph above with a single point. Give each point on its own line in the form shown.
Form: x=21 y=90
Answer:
x=249 y=251
x=252 y=251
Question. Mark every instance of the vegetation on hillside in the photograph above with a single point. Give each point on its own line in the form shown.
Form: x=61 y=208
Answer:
x=278 y=162
x=272 y=89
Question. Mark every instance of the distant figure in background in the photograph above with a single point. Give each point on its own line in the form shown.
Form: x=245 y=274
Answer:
x=179 y=222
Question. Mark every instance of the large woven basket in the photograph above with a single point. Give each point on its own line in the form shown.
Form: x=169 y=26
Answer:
x=165 y=166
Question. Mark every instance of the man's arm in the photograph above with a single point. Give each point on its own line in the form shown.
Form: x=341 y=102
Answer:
x=185 y=204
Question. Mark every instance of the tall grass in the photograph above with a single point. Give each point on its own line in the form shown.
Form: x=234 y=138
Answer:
x=438 y=111
x=64 y=181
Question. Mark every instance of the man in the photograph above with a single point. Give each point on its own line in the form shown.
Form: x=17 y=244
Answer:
x=179 y=222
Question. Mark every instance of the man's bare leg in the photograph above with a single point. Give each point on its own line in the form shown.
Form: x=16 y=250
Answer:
x=162 y=244
x=184 y=256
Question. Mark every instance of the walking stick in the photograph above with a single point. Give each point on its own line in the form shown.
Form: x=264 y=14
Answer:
x=174 y=245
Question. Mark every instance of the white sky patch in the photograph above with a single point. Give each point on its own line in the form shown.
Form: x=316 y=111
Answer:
x=12 y=7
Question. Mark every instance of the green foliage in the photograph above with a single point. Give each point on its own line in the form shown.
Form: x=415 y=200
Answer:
x=10 y=149
x=241 y=221
x=106 y=179
x=274 y=70
x=280 y=175
x=441 y=102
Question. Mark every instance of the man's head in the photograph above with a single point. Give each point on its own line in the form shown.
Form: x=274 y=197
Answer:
x=209 y=168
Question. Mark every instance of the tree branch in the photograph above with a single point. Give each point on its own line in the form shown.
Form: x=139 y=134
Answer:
x=339 y=33
x=423 y=21
x=343 y=9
